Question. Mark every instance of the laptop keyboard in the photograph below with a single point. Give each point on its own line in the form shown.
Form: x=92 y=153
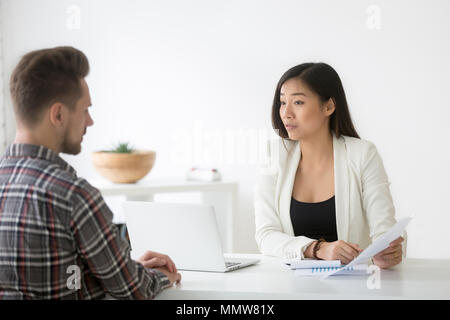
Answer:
x=231 y=264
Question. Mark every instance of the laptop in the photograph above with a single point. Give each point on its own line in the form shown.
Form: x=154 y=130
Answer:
x=187 y=233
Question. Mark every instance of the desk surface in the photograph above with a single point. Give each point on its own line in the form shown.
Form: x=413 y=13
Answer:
x=271 y=280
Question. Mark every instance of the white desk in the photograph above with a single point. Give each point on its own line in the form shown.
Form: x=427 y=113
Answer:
x=414 y=279
x=221 y=194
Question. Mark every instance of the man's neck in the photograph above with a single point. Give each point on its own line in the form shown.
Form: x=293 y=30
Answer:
x=40 y=139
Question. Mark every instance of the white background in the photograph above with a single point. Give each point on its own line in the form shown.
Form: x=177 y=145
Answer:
x=164 y=73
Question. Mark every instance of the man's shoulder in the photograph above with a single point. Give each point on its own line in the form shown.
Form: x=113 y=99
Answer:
x=58 y=180
x=76 y=190
x=80 y=187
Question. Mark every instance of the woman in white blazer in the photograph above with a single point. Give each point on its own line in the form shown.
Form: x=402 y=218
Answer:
x=325 y=194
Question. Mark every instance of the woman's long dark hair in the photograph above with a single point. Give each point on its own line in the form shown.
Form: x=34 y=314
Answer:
x=324 y=81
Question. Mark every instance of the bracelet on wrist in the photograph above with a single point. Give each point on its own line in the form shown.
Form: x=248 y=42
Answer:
x=317 y=247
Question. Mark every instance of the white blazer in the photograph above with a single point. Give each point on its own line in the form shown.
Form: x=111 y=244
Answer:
x=363 y=201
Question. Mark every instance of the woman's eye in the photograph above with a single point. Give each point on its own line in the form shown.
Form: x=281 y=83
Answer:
x=299 y=102
x=282 y=103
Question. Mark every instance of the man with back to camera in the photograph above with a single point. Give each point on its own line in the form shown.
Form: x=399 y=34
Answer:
x=53 y=223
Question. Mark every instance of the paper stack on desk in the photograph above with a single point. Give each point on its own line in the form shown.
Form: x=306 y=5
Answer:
x=377 y=246
x=356 y=266
x=359 y=269
x=311 y=263
x=312 y=267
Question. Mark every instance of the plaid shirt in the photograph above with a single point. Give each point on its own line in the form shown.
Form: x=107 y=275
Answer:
x=57 y=239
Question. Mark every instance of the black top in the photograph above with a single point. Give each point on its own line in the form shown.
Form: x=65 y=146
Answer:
x=314 y=220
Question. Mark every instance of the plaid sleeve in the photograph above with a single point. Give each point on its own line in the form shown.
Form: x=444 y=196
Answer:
x=105 y=253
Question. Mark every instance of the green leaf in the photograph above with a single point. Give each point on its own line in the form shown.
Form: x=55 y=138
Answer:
x=122 y=147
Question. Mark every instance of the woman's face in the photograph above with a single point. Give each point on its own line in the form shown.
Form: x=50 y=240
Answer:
x=301 y=110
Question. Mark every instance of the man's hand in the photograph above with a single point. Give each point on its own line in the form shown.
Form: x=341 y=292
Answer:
x=174 y=277
x=390 y=256
x=339 y=250
x=151 y=259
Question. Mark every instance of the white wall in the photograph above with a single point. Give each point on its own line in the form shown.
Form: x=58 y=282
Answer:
x=3 y=130
x=203 y=68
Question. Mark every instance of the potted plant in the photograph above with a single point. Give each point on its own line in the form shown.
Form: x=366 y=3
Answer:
x=123 y=164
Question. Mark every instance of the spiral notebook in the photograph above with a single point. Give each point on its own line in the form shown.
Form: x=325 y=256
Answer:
x=311 y=263
x=358 y=269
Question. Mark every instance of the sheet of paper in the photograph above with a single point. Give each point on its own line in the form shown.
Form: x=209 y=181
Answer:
x=378 y=245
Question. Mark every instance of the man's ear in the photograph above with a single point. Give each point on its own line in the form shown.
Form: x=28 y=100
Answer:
x=58 y=114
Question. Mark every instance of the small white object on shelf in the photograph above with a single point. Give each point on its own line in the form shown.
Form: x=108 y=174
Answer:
x=203 y=174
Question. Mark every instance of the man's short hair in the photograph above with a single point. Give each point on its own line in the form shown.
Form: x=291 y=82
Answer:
x=44 y=77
